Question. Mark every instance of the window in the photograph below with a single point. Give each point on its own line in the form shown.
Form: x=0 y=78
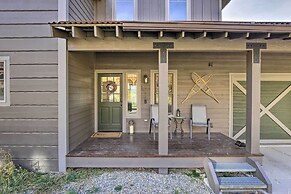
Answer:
x=4 y=81
x=133 y=94
x=172 y=94
x=177 y=10
x=124 y=10
x=110 y=89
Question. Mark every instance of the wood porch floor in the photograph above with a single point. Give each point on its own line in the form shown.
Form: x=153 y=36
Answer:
x=143 y=145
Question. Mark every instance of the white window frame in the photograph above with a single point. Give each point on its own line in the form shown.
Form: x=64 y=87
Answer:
x=152 y=87
x=125 y=114
x=135 y=10
x=138 y=113
x=6 y=61
x=264 y=77
x=188 y=10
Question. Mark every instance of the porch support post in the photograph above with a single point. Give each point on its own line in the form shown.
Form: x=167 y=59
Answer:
x=63 y=137
x=253 y=96
x=163 y=94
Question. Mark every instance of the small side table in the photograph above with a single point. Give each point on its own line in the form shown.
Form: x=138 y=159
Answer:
x=179 y=121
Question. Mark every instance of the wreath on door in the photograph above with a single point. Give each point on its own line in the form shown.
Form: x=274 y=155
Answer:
x=110 y=86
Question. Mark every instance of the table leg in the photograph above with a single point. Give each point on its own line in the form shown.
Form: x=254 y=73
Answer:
x=182 y=131
x=176 y=123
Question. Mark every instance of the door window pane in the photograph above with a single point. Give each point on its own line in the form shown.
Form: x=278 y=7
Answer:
x=170 y=91
x=110 y=89
x=2 y=81
x=178 y=10
x=124 y=10
x=132 y=93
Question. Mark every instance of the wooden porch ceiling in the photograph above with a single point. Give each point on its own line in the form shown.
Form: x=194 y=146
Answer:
x=174 y=30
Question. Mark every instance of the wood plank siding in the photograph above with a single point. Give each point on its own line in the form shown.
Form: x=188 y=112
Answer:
x=81 y=97
x=28 y=127
x=81 y=10
x=185 y=64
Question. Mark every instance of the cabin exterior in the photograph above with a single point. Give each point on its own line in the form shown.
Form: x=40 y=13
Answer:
x=54 y=78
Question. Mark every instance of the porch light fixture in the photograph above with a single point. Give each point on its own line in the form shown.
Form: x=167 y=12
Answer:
x=145 y=79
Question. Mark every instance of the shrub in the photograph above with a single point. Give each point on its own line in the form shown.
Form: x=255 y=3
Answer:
x=14 y=179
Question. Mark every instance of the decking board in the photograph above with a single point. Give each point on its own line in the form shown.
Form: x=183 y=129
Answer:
x=143 y=145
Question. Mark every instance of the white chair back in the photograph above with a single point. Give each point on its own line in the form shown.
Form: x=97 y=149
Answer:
x=199 y=114
x=154 y=112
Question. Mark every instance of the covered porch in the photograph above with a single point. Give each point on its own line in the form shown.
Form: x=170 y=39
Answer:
x=116 y=47
x=141 y=150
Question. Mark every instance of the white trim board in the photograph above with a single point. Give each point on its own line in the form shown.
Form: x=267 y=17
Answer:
x=63 y=134
x=6 y=78
x=233 y=80
x=124 y=95
x=175 y=80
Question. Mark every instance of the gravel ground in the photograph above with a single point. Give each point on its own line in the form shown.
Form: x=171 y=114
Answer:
x=136 y=182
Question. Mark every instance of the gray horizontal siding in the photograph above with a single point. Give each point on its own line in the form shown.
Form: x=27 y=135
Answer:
x=32 y=152
x=33 y=85
x=43 y=164
x=81 y=97
x=185 y=64
x=29 y=112
x=26 y=17
x=34 y=71
x=34 y=58
x=39 y=98
x=33 y=5
x=44 y=139
x=81 y=10
x=28 y=128
x=20 y=31
x=29 y=44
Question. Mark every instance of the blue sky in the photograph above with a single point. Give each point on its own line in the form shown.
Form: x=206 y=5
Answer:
x=258 y=10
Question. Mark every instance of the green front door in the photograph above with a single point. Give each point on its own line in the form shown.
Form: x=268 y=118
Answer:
x=109 y=102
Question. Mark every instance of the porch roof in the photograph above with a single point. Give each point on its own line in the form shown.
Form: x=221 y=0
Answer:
x=177 y=30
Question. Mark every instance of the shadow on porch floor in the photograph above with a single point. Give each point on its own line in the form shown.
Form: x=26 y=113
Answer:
x=143 y=145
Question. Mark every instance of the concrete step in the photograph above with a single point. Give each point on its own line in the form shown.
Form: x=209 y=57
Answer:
x=233 y=167
x=241 y=183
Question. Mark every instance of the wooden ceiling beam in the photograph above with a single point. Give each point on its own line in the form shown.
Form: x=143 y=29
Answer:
x=78 y=32
x=139 y=34
x=58 y=33
x=98 y=32
x=180 y=35
x=200 y=35
x=236 y=35
x=279 y=36
x=219 y=35
x=118 y=32
x=262 y=35
x=289 y=37
x=161 y=34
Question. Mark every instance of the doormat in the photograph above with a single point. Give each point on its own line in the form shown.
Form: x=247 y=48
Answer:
x=106 y=135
